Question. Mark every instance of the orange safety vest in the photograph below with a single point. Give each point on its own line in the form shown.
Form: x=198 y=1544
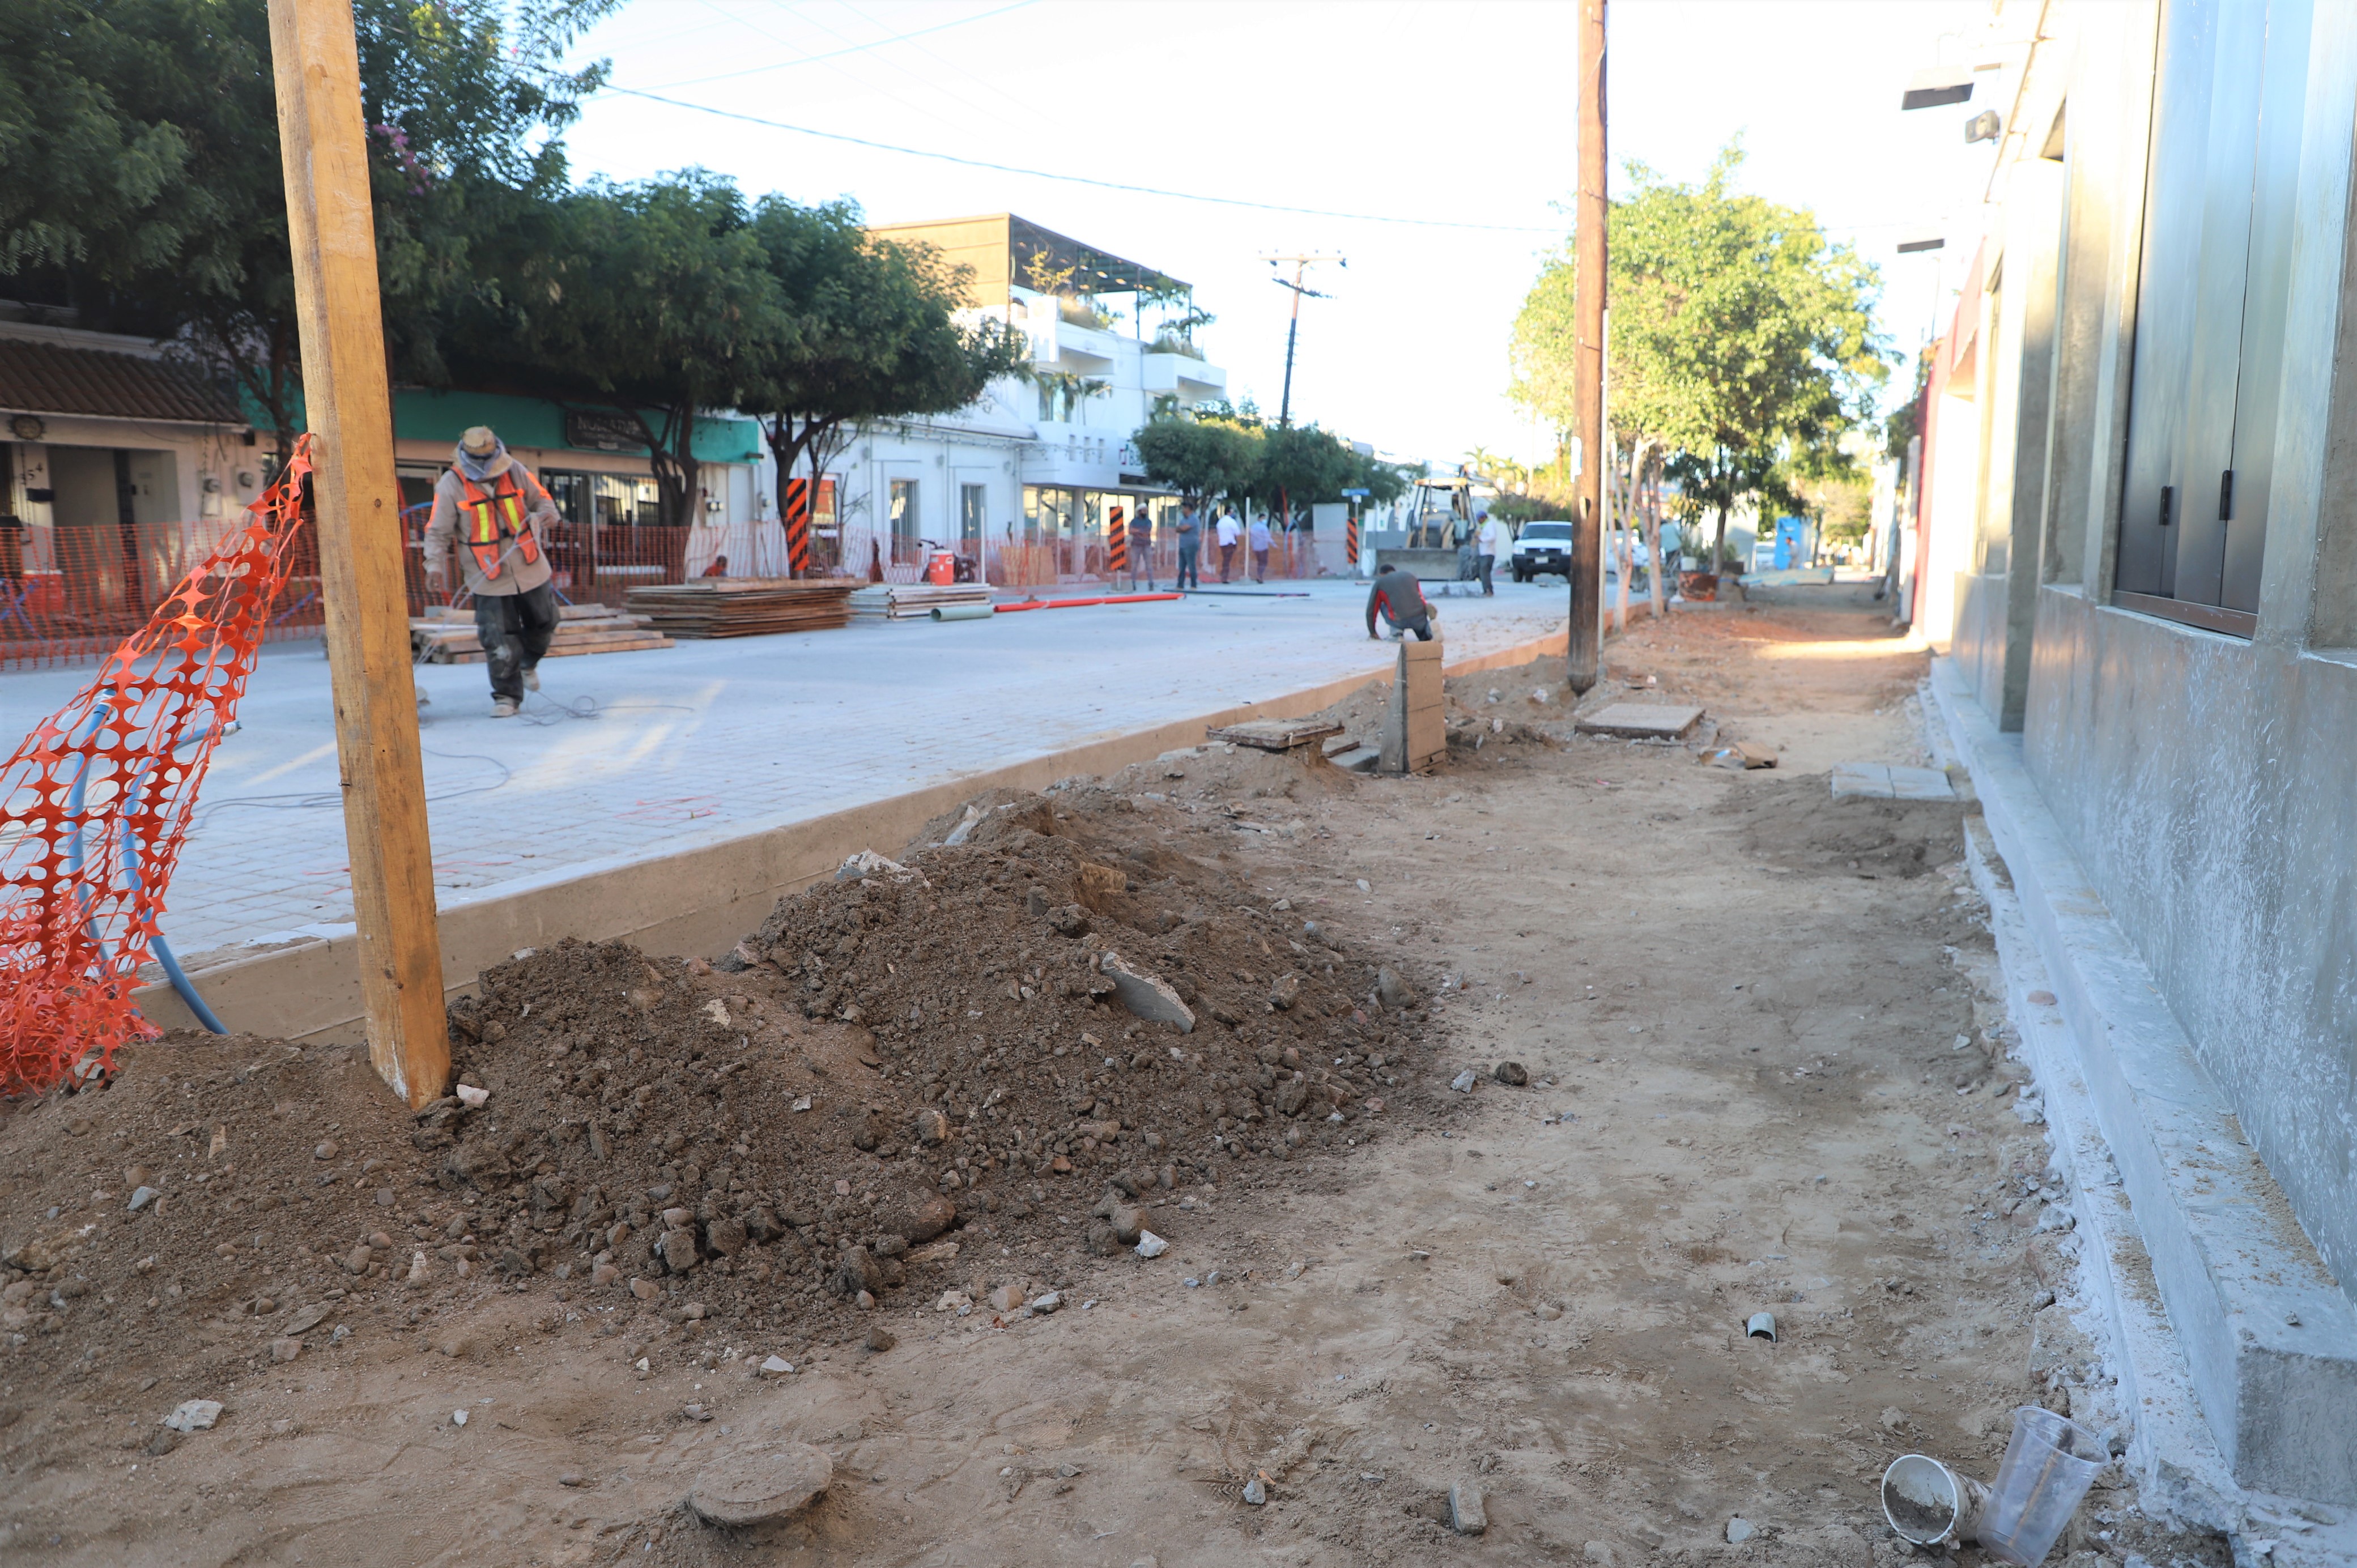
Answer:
x=489 y=514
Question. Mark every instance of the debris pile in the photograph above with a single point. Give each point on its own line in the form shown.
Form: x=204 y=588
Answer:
x=1055 y=1011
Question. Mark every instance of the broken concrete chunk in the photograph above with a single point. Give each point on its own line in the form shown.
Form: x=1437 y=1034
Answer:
x=1147 y=995
x=757 y=1484
x=194 y=1415
x=1465 y=1513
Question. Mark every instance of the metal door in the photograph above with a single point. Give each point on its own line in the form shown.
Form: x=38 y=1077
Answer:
x=2283 y=100
x=2153 y=493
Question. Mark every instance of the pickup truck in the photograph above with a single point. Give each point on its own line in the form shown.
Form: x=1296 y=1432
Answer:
x=1542 y=547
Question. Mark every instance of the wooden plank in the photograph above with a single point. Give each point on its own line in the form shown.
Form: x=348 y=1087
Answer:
x=331 y=232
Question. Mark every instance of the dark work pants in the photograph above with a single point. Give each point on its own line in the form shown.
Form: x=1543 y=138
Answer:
x=1190 y=574
x=1481 y=566
x=515 y=630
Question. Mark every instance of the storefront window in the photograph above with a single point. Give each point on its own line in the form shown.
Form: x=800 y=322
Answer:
x=905 y=542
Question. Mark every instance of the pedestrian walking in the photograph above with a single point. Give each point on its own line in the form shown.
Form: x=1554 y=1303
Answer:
x=1189 y=530
x=488 y=508
x=1398 y=597
x=1229 y=532
x=1260 y=548
x=1489 y=544
x=1141 y=547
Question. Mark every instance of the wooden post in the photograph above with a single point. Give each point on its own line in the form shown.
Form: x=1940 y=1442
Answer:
x=349 y=408
x=1587 y=363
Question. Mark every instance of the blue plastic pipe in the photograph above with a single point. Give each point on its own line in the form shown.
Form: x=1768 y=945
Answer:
x=181 y=983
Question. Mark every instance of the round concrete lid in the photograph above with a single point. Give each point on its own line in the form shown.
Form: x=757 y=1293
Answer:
x=757 y=1484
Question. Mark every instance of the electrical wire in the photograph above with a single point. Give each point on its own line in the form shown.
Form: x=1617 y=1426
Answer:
x=1080 y=179
x=838 y=54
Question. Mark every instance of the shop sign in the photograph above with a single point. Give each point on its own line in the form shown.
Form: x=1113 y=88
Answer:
x=596 y=431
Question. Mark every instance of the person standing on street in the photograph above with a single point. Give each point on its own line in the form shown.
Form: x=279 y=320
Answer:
x=1189 y=530
x=1141 y=547
x=1230 y=532
x=1490 y=544
x=1398 y=597
x=488 y=507
x=1260 y=548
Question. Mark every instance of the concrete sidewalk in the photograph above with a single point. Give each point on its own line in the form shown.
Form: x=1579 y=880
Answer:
x=622 y=754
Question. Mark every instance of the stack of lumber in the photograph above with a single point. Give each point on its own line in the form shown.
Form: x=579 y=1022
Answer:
x=447 y=636
x=743 y=607
x=914 y=601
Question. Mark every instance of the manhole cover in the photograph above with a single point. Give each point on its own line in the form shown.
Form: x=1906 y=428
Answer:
x=756 y=1484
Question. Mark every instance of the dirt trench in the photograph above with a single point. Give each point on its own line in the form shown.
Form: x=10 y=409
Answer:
x=1754 y=1067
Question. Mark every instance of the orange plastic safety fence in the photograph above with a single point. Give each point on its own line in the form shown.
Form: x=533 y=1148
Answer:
x=95 y=802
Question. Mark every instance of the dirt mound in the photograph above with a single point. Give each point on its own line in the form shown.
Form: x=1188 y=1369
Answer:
x=1800 y=823
x=951 y=1046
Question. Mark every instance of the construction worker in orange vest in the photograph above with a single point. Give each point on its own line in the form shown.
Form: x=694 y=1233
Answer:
x=488 y=507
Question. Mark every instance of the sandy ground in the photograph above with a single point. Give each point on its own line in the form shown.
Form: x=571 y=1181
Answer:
x=1762 y=1076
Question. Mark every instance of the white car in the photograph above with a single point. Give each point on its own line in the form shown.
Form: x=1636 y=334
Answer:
x=1542 y=547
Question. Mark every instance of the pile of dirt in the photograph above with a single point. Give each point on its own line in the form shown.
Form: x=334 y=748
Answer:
x=903 y=1057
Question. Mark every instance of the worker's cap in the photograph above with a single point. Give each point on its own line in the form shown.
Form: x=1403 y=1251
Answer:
x=480 y=441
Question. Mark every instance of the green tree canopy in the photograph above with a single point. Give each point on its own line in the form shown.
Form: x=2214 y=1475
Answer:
x=872 y=332
x=140 y=179
x=651 y=300
x=1742 y=341
x=1201 y=459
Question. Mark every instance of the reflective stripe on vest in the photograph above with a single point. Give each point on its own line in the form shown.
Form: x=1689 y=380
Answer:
x=491 y=513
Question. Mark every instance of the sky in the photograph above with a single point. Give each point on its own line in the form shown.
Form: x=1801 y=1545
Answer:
x=1440 y=138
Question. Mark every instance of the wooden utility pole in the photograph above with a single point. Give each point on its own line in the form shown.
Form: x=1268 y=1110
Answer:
x=1588 y=368
x=332 y=231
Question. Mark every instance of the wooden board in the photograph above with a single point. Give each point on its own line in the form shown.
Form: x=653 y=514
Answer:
x=1275 y=734
x=347 y=403
x=1640 y=721
x=446 y=638
x=744 y=606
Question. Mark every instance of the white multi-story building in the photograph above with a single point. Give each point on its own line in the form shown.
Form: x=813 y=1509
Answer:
x=1028 y=479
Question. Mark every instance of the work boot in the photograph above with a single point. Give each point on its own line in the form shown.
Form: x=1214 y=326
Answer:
x=532 y=679
x=504 y=708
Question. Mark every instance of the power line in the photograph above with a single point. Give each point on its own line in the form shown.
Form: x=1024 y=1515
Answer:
x=1076 y=178
x=838 y=54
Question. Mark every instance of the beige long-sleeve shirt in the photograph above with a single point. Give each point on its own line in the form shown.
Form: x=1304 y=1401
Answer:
x=516 y=574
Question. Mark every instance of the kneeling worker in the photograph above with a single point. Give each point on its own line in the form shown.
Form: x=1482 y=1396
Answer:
x=488 y=504
x=1400 y=599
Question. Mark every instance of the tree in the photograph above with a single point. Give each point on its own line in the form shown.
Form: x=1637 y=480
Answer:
x=1742 y=343
x=652 y=300
x=871 y=332
x=140 y=179
x=1200 y=457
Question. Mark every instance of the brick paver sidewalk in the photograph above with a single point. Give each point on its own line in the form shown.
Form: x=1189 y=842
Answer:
x=754 y=730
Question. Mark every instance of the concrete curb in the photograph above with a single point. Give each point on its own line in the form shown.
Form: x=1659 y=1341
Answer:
x=2268 y=1337
x=693 y=894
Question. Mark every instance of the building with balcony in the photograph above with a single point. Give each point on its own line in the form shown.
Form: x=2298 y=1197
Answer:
x=1028 y=479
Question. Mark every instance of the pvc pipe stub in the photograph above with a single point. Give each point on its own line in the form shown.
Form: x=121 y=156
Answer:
x=1761 y=1326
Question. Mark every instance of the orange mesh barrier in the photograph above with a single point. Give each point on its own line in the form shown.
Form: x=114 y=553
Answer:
x=95 y=801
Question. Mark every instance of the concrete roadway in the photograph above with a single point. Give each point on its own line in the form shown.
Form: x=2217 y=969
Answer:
x=621 y=752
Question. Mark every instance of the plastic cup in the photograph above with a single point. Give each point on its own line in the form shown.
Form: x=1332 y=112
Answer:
x=2047 y=1467
x=1929 y=1503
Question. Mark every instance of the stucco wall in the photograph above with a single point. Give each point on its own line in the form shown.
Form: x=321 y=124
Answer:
x=2209 y=786
x=1977 y=641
